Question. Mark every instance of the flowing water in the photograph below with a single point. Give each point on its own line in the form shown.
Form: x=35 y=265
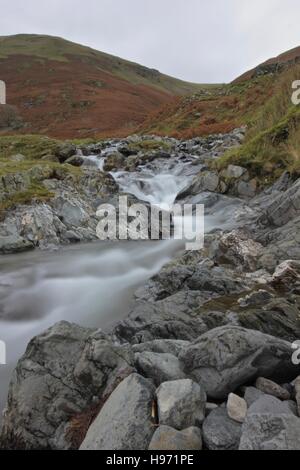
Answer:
x=91 y=284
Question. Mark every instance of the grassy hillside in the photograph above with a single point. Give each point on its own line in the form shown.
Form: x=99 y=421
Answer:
x=260 y=100
x=66 y=90
x=273 y=139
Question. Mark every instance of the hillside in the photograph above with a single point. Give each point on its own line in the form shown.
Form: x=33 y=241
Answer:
x=63 y=89
x=261 y=100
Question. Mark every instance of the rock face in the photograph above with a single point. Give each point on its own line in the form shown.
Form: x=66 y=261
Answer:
x=65 y=372
x=124 y=423
x=181 y=404
x=227 y=357
x=167 y=438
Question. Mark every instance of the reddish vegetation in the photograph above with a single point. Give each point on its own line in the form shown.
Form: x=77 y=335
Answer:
x=75 y=99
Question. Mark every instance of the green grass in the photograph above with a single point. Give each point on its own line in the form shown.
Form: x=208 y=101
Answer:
x=33 y=148
x=272 y=142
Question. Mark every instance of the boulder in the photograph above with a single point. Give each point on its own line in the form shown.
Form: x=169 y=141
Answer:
x=14 y=244
x=124 y=422
x=220 y=432
x=228 y=357
x=181 y=404
x=113 y=161
x=238 y=248
x=236 y=172
x=266 y=431
x=167 y=438
x=65 y=151
x=64 y=375
x=159 y=367
x=75 y=160
x=271 y=388
x=236 y=408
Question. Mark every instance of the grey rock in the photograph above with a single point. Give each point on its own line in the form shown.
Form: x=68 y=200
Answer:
x=181 y=404
x=164 y=346
x=75 y=160
x=255 y=298
x=167 y=438
x=124 y=423
x=227 y=357
x=234 y=171
x=14 y=244
x=267 y=431
x=247 y=189
x=271 y=405
x=251 y=395
x=56 y=380
x=160 y=367
x=220 y=432
x=65 y=151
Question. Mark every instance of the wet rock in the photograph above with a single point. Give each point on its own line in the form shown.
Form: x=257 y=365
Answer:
x=271 y=388
x=159 y=367
x=220 y=432
x=227 y=357
x=114 y=161
x=65 y=151
x=167 y=438
x=124 y=422
x=181 y=404
x=75 y=160
x=236 y=408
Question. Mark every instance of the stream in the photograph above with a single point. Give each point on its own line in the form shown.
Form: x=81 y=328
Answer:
x=91 y=284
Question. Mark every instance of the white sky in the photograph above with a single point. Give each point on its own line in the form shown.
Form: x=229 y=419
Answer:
x=196 y=40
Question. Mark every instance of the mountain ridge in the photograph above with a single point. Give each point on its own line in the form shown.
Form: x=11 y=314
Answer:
x=64 y=89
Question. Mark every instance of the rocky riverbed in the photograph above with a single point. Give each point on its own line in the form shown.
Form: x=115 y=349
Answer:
x=205 y=358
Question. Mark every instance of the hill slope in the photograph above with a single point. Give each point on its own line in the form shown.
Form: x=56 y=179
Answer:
x=64 y=89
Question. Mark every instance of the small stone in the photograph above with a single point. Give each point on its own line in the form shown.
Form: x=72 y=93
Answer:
x=167 y=438
x=271 y=388
x=236 y=408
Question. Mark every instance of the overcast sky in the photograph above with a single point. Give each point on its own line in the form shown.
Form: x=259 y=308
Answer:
x=196 y=40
